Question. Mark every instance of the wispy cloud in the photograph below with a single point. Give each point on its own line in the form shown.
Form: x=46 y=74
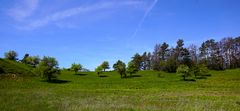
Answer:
x=21 y=13
x=23 y=10
x=148 y=10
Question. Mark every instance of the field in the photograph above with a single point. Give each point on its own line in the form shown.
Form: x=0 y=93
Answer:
x=146 y=90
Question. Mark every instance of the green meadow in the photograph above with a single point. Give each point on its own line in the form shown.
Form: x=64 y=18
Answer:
x=146 y=90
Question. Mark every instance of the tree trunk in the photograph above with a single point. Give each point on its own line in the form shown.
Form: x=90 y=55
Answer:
x=49 y=78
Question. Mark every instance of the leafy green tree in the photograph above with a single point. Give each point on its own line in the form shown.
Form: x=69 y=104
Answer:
x=32 y=60
x=179 y=48
x=120 y=67
x=203 y=70
x=183 y=70
x=199 y=70
x=24 y=58
x=48 y=68
x=76 y=67
x=131 y=69
x=162 y=65
x=138 y=61
x=98 y=70
x=105 y=65
x=164 y=49
x=11 y=55
x=171 y=64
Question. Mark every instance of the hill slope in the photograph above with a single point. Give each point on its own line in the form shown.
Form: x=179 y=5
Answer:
x=13 y=67
x=145 y=91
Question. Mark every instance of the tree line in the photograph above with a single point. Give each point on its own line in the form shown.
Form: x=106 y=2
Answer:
x=216 y=55
x=187 y=61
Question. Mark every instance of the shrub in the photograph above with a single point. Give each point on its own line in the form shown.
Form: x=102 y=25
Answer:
x=76 y=67
x=11 y=55
x=183 y=70
x=48 y=68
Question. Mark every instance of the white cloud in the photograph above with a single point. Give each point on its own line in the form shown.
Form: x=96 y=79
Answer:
x=23 y=10
x=67 y=13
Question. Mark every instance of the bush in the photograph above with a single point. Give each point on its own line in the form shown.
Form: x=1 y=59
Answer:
x=120 y=67
x=171 y=64
x=199 y=70
x=11 y=55
x=48 y=68
x=76 y=67
x=131 y=69
x=184 y=71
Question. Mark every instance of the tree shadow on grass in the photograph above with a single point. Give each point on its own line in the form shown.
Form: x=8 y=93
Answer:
x=102 y=76
x=238 y=102
x=134 y=75
x=201 y=77
x=57 y=81
x=207 y=75
x=81 y=74
x=192 y=80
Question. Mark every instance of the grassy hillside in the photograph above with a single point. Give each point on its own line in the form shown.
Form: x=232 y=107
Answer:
x=13 y=67
x=145 y=91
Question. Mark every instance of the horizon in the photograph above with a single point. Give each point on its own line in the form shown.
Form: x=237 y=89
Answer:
x=92 y=31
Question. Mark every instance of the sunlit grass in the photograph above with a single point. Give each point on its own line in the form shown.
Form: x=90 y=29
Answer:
x=146 y=91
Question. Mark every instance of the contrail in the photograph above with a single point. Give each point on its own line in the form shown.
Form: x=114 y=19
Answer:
x=143 y=19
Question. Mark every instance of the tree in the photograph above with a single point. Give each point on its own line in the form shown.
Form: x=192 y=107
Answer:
x=11 y=55
x=138 y=61
x=76 y=67
x=144 y=61
x=131 y=69
x=32 y=60
x=98 y=70
x=193 y=53
x=164 y=49
x=48 y=68
x=155 y=59
x=105 y=65
x=24 y=58
x=203 y=70
x=120 y=67
x=179 y=48
x=183 y=70
x=211 y=54
x=199 y=70
x=171 y=64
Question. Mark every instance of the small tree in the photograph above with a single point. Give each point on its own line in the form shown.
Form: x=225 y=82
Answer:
x=203 y=70
x=48 y=68
x=98 y=70
x=105 y=65
x=183 y=70
x=24 y=58
x=11 y=55
x=171 y=64
x=131 y=69
x=199 y=70
x=120 y=67
x=32 y=60
x=76 y=67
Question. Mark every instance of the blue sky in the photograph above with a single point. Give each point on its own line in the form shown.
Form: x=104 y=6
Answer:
x=92 y=31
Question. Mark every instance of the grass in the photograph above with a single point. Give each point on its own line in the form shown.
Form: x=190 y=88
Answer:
x=13 y=67
x=146 y=90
